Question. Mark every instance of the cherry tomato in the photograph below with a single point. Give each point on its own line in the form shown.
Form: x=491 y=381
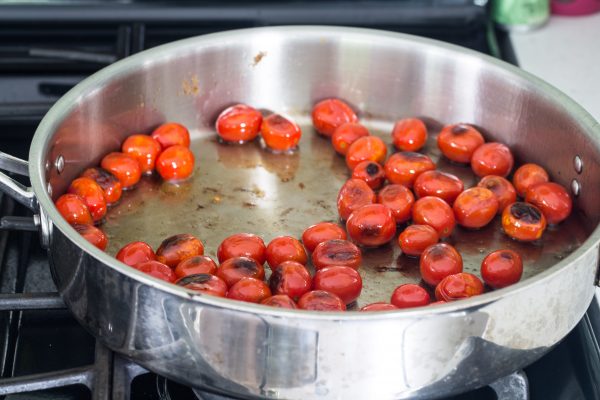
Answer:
x=438 y=261
x=250 y=290
x=366 y=148
x=177 y=248
x=239 y=123
x=124 y=167
x=409 y=134
x=175 y=163
x=336 y=252
x=346 y=134
x=370 y=172
x=528 y=175
x=354 y=194
x=157 y=270
x=492 y=159
x=416 y=238
x=135 y=253
x=279 y=133
x=345 y=282
x=410 y=295
x=321 y=232
x=502 y=268
x=329 y=114
x=458 y=286
x=93 y=235
x=371 y=225
x=73 y=209
x=236 y=268
x=523 y=221
x=503 y=190
x=204 y=283
x=405 y=167
x=458 y=142
x=172 y=134
x=279 y=301
x=290 y=278
x=109 y=183
x=475 y=207
x=553 y=199
x=196 y=265
x=92 y=195
x=320 y=300
x=380 y=306
x=399 y=200
x=436 y=213
x=144 y=149
x=242 y=245
x=438 y=184
x=285 y=248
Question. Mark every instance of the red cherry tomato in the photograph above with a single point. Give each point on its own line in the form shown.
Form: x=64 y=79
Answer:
x=320 y=300
x=345 y=282
x=492 y=159
x=438 y=184
x=172 y=134
x=285 y=248
x=503 y=190
x=109 y=183
x=370 y=172
x=239 y=123
x=196 y=265
x=416 y=238
x=124 y=167
x=250 y=290
x=438 y=261
x=371 y=225
x=366 y=148
x=436 y=213
x=410 y=295
x=236 y=268
x=321 y=232
x=144 y=149
x=458 y=286
x=405 y=167
x=329 y=114
x=157 y=270
x=279 y=301
x=354 y=194
x=502 y=268
x=409 y=134
x=135 y=253
x=336 y=252
x=523 y=221
x=93 y=235
x=528 y=175
x=279 y=133
x=242 y=245
x=92 y=195
x=458 y=142
x=290 y=278
x=475 y=207
x=380 y=306
x=553 y=199
x=73 y=209
x=177 y=248
x=346 y=134
x=175 y=163
x=399 y=200
x=204 y=283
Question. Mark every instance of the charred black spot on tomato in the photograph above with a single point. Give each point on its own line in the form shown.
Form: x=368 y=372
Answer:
x=371 y=230
x=506 y=255
x=245 y=263
x=278 y=120
x=460 y=129
x=526 y=213
x=437 y=252
x=492 y=184
x=412 y=156
x=175 y=240
x=276 y=279
x=372 y=169
x=344 y=255
x=196 y=278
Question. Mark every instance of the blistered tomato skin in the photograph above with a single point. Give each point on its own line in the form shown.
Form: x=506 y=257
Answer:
x=196 y=265
x=528 y=175
x=172 y=134
x=475 y=207
x=492 y=159
x=438 y=184
x=502 y=268
x=250 y=290
x=204 y=283
x=242 y=245
x=175 y=163
x=503 y=190
x=336 y=252
x=92 y=195
x=354 y=194
x=157 y=270
x=135 y=253
x=93 y=235
x=523 y=221
x=458 y=142
x=366 y=148
x=279 y=133
x=290 y=278
x=345 y=282
x=436 y=213
x=285 y=248
x=279 y=301
x=399 y=200
x=346 y=134
x=107 y=181
x=238 y=124
x=410 y=295
x=144 y=149
x=73 y=209
x=372 y=225
x=405 y=167
x=458 y=286
x=177 y=248
x=553 y=199
x=124 y=167
x=370 y=172
x=321 y=232
x=329 y=114
x=416 y=238
x=234 y=269
x=409 y=134
x=320 y=300
x=438 y=261
x=379 y=306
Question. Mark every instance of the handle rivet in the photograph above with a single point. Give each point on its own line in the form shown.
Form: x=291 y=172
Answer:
x=59 y=164
x=575 y=187
x=578 y=164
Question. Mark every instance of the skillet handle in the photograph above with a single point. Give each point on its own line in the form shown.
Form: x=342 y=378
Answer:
x=14 y=189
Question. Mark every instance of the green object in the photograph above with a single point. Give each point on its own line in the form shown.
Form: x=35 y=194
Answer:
x=520 y=14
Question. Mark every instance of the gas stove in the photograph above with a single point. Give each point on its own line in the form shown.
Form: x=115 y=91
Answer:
x=47 y=48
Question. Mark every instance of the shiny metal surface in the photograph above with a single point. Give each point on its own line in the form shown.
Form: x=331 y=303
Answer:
x=255 y=351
